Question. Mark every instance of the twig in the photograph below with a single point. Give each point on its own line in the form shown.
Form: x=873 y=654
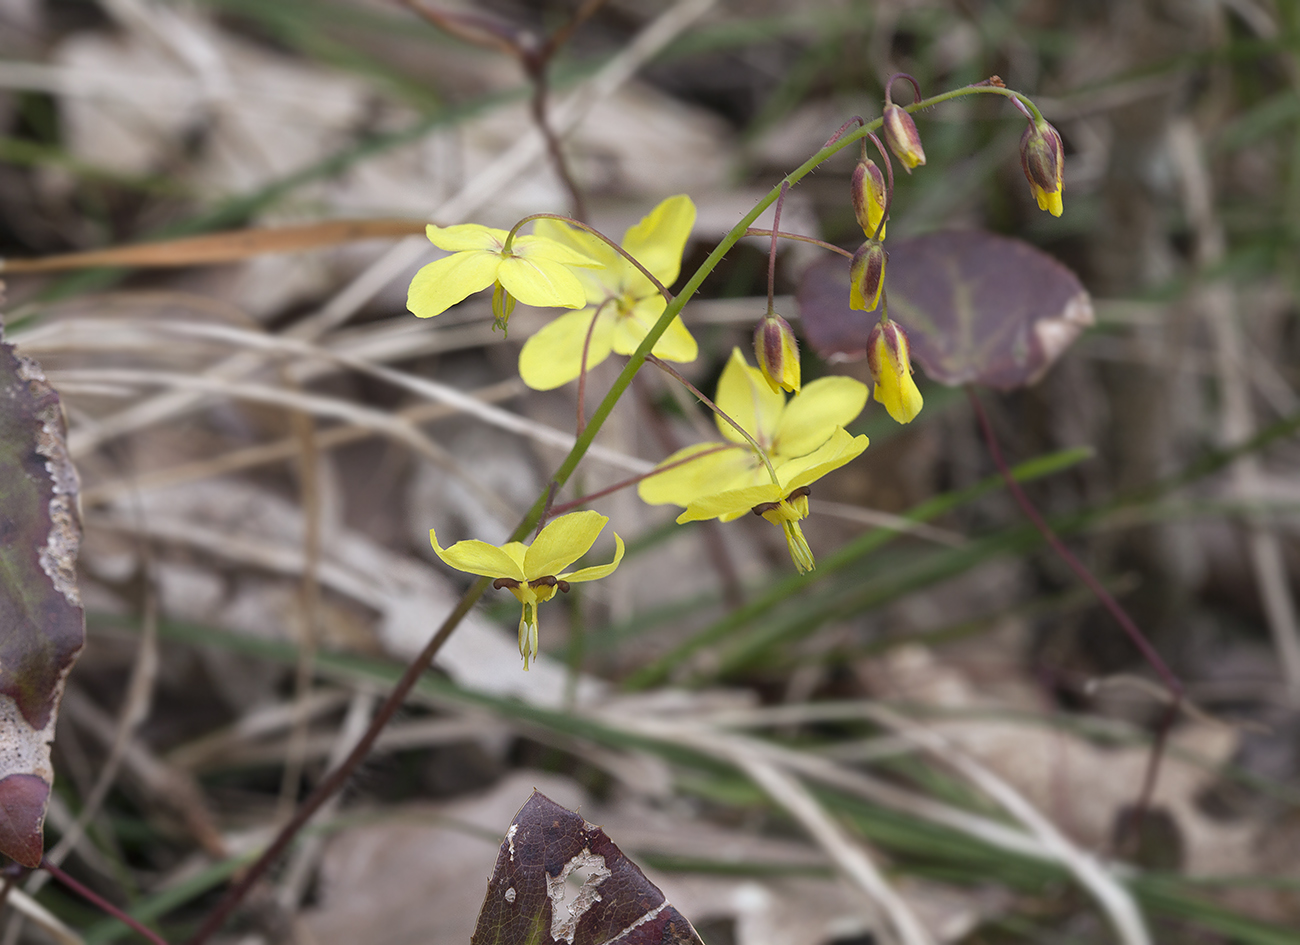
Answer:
x=1172 y=682
x=102 y=903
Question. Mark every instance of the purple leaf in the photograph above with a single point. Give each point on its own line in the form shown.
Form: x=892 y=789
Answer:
x=42 y=625
x=527 y=898
x=978 y=307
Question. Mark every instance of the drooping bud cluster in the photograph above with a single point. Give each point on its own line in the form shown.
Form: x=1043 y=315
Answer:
x=867 y=276
x=777 y=353
x=902 y=137
x=1041 y=158
x=890 y=362
x=870 y=196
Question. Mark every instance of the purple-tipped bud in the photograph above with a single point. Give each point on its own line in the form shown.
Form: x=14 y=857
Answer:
x=777 y=353
x=869 y=197
x=1041 y=157
x=867 y=276
x=902 y=137
x=890 y=363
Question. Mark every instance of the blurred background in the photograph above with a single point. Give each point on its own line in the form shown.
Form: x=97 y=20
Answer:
x=256 y=564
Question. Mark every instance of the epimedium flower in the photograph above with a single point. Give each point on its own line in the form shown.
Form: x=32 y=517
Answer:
x=785 y=429
x=803 y=438
x=889 y=360
x=777 y=353
x=621 y=304
x=534 y=573
x=902 y=137
x=783 y=503
x=870 y=195
x=867 y=276
x=537 y=270
x=1041 y=159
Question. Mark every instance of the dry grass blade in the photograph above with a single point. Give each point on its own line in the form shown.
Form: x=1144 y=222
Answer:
x=1113 y=898
x=72 y=381
x=33 y=910
x=220 y=248
x=279 y=451
x=395 y=427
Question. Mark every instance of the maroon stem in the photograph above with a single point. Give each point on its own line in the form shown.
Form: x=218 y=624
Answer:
x=1172 y=683
x=756 y=231
x=570 y=506
x=889 y=189
x=1148 y=652
x=100 y=902
x=771 y=253
x=339 y=776
x=855 y=120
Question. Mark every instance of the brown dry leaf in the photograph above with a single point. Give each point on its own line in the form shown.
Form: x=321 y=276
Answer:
x=1084 y=788
x=420 y=876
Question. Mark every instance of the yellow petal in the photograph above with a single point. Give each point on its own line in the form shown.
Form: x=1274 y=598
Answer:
x=466 y=236
x=715 y=470
x=597 y=571
x=553 y=356
x=840 y=449
x=563 y=541
x=629 y=329
x=536 y=280
x=444 y=282
x=899 y=395
x=478 y=557
x=730 y=504
x=539 y=248
x=812 y=415
x=579 y=243
x=744 y=396
x=659 y=239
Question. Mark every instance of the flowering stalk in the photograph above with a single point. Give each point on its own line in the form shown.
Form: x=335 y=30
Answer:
x=335 y=780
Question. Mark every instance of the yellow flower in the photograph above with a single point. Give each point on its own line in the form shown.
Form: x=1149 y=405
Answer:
x=902 y=137
x=889 y=360
x=777 y=353
x=784 y=503
x=785 y=429
x=534 y=573
x=536 y=270
x=1041 y=158
x=867 y=276
x=870 y=194
x=804 y=438
x=622 y=305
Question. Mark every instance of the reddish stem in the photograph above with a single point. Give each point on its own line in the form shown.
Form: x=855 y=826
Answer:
x=889 y=189
x=855 y=120
x=1172 y=683
x=771 y=253
x=570 y=506
x=100 y=902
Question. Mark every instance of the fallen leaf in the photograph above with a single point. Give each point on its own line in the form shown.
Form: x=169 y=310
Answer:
x=979 y=308
x=42 y=625
x=526 y=897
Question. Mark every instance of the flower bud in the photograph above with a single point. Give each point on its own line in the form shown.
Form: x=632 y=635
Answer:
x=867 y=276
x=777 y=353
x=889 y=360
x=902 y=137
x=1041 y=158
x=869 y=196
